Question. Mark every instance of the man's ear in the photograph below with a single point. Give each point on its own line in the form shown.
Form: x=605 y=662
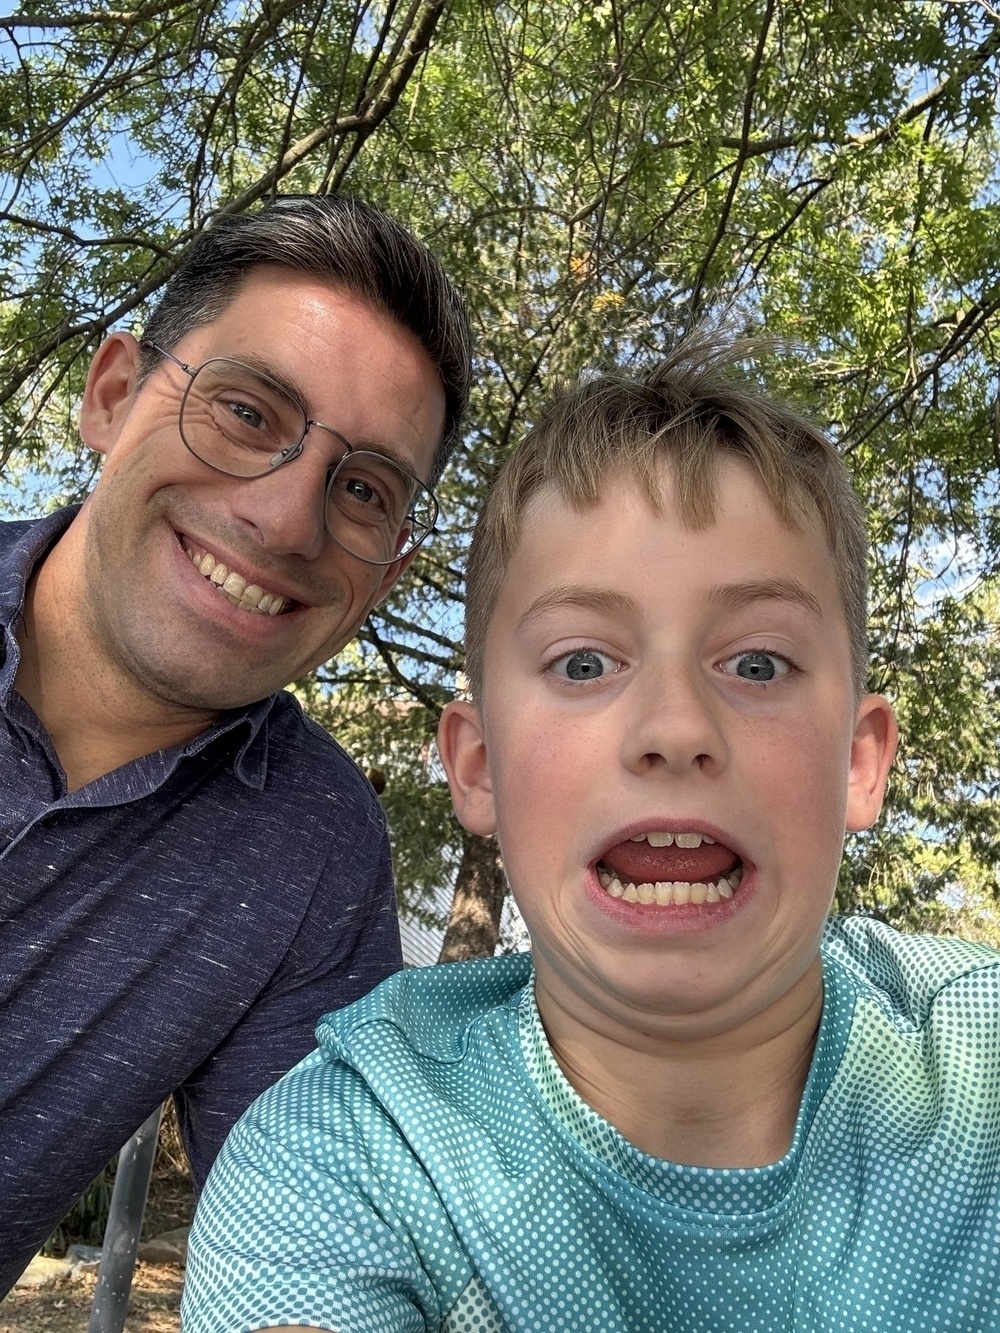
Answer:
x=110 y=391
x=463 y=753
x=872 y=751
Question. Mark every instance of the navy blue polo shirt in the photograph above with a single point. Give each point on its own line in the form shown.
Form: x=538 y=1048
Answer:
x=177 y=925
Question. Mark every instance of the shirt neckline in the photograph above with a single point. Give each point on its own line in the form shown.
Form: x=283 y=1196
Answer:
x=722 y=1192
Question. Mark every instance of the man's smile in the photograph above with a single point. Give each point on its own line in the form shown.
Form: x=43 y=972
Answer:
x=234 y=586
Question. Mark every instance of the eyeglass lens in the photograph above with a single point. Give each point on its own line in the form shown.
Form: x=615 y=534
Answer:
x=240 y=422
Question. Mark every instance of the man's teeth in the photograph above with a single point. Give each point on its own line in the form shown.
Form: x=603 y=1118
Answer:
x=665 y=893
x=233 y=586
x=657 y=838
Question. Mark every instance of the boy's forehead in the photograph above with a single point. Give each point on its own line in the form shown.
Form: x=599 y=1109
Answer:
x=562 y=535
x=618 y=491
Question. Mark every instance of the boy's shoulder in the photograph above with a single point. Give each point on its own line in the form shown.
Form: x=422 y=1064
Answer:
x=431 y=1010
x=909 y=976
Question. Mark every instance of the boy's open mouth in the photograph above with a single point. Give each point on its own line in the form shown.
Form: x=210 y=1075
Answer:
x=670 y=869
x=234 y=587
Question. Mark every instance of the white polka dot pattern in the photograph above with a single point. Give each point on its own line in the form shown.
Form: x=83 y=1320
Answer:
x=429 y=1168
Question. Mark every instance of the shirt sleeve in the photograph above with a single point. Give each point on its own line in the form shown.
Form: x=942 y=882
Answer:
x=301 y=1222
x=338 y=955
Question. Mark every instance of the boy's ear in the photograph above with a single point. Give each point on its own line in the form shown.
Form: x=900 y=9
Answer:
x=110 y=391
x=872 y=752
x=463 y=753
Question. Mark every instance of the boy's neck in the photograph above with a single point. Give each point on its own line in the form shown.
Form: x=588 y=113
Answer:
x=726 y=1101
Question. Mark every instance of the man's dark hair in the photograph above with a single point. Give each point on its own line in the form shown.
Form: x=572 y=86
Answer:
x=351 y=244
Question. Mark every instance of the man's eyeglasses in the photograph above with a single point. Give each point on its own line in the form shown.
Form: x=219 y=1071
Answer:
x=241 y=422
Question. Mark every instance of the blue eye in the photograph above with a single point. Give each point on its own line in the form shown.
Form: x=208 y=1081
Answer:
x=757 y=665
x=584 y=664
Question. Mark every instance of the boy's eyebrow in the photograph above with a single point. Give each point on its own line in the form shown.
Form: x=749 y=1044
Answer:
x=727 y=597
x=734 y=596
x=578 y=594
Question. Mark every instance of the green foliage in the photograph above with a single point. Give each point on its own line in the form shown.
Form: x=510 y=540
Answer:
x=599 y=179
x=85 y=1222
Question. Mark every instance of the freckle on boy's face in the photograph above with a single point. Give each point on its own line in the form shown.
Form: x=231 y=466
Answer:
x=643 y=678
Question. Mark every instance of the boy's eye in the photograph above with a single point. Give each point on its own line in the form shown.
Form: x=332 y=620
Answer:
x=757 y=665
x=584 y=664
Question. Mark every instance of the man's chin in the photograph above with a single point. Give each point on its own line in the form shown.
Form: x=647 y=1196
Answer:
x=206 y=692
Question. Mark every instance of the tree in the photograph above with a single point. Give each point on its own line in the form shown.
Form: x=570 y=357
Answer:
x=600 y=180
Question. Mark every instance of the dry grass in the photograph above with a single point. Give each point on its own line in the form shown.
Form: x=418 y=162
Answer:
x=153 y=1306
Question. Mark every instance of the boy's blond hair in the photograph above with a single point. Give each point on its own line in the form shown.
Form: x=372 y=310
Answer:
x=691 y=411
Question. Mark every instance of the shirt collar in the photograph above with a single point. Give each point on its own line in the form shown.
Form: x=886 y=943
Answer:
x=22 y=545
x=250 y=763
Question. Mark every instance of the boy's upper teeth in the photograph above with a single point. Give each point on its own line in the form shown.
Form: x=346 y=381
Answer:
x=247 y=596
x=659 y=838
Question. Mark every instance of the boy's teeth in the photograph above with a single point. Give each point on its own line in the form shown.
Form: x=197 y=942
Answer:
x=664 y=894
x=234 y=587
x=657 y=838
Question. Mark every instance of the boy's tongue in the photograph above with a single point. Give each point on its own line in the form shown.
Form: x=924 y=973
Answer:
x=638 y=863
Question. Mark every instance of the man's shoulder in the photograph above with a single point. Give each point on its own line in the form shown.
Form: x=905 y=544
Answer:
x=305 y=754
x=13 y=530
x=911 y=976
x=24 y=540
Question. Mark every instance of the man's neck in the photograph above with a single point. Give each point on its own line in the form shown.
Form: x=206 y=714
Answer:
x=96 y=718
x=726 y=1101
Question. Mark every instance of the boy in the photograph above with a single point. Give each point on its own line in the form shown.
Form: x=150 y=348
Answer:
x=684 y=1114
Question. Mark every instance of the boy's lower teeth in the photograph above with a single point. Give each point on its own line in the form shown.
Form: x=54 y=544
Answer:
x=666 y=894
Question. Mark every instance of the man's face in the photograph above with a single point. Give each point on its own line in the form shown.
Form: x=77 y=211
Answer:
x=156 y=508
x=670 y=753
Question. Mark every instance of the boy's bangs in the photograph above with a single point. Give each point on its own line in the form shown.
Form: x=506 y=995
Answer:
x=691 y=412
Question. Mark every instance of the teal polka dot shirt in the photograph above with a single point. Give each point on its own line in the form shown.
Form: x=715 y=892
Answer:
x=429 y=1168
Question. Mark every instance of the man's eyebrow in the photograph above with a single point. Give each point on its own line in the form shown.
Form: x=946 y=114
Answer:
x=735 y=596
x=262 y=367
x=291 y=391
x=579 y=595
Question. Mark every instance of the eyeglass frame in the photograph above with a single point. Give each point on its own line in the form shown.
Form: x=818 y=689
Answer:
x=292 y=451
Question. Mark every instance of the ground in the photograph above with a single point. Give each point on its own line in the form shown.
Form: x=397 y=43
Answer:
x=153 y=1306
x=156 y=1290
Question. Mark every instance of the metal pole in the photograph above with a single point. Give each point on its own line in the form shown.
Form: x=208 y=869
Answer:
x=121 y=1235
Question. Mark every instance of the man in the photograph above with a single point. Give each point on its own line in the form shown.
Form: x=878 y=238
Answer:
x=192 y=872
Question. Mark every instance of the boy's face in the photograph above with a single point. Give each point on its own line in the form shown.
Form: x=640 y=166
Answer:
x=642 y=678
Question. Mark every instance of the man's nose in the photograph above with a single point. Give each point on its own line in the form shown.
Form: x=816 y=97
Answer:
x=286 y=508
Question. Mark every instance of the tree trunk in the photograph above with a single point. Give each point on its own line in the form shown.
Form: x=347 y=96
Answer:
x=474 y=921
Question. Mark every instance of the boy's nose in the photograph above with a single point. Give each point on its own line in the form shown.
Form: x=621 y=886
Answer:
x=674 y=725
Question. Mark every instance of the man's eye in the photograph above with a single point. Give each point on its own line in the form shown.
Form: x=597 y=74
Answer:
x=584 y=664
x=246 y=415
x=757 y=665
x=361 y=491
